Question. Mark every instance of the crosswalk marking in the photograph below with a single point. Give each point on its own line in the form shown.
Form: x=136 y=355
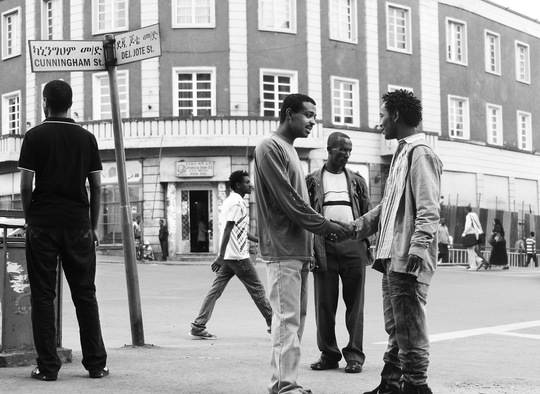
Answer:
x=502 y=330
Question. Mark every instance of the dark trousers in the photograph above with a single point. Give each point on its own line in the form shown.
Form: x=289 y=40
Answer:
x=443 y=253
x=164 y=249
x=346 y=260
x=76 y=250
x=532 y=256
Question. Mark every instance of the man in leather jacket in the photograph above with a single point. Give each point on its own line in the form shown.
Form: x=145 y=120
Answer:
x=340 y=194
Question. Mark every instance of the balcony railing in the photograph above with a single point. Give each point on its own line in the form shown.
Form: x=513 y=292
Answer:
x=10 y=147
x=211 y=131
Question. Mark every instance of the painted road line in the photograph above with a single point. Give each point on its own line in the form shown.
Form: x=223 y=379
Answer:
x=480 y=331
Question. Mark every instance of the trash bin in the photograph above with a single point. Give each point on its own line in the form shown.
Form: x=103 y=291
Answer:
x=17 y=343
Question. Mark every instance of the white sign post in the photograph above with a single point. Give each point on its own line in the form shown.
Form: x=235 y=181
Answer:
x=66 y=56
x=103 y=55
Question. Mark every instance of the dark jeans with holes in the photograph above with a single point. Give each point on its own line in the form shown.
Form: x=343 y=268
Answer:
x=76 y=249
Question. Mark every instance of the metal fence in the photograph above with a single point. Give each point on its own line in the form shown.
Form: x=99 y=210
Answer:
x=515 y=259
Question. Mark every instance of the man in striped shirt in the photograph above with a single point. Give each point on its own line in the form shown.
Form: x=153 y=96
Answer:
x=530 y=249
x=406 y=253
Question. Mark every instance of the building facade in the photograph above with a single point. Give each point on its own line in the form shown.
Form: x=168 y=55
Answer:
x=195 y=114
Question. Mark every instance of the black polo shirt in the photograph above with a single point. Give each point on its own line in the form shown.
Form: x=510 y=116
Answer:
x=61 y=154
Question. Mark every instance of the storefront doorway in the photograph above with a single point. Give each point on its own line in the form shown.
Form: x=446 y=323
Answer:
x=200 y=220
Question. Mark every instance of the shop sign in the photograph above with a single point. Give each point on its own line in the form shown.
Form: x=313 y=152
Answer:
x=194 y=169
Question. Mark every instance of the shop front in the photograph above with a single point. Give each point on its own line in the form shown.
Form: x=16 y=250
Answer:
x=195 y=190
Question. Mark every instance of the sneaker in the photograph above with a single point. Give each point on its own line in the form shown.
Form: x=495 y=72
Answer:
x=269 y=330
x=201 y=333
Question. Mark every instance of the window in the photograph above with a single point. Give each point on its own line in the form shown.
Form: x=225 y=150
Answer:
x=524 y=128
x=51 y=20
x=102 y=96
x=398 y=28
x=458 y=117
x=493 y=53
x=277 y=15
x=193 y=14
x=275 y=86
x=345 y=102
x=494 y=124
x=11 y=33
x=194 y=92
x=343 y=20
x=109 y=16
x=456 y=41
x=11 y=113
x=523 y=65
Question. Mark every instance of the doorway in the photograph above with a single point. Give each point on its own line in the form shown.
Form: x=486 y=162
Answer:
x=200 y=223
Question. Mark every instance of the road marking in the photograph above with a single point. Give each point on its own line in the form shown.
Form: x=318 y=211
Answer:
x=503 y=330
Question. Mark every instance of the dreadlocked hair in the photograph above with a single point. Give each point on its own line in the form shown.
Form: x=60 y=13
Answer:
x=408 y=106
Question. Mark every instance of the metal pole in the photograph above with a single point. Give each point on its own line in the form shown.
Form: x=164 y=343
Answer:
x=132 y=278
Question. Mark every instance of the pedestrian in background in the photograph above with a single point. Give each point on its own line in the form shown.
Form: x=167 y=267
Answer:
x=137 y=234
x=498 y=254
x=62 y=223
x=530 y=249
x=406 y=251
x=285 y=220
x=340 y=194
x=519 y=247
x=233 y=257
x=444 y=240
x=163 y=237
x=473 y=229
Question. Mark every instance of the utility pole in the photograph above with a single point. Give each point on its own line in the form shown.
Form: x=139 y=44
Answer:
x=132 y=277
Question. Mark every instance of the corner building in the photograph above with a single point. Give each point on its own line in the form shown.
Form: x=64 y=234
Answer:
x=195 y=114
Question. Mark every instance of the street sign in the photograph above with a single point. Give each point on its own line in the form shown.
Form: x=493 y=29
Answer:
x=137 y=45
x=53 y=55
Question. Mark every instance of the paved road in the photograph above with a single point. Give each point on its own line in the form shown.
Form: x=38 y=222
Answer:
x=485 y=328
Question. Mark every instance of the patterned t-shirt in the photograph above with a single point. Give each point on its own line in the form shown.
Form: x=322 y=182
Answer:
x=234 y=209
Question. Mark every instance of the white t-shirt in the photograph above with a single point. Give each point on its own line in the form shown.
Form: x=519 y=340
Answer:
x=234 y=209
x=337 y=202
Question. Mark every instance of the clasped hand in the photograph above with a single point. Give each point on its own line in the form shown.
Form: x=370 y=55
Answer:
x=339 y=231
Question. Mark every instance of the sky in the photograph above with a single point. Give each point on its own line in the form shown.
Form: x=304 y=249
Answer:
x=531 y=8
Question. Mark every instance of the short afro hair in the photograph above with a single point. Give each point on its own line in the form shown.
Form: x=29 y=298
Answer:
x=59 y=95
x=237 y=177
x=295 y=102
x=408 y=106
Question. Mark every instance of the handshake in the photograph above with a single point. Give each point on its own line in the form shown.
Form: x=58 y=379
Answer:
x=339 y=231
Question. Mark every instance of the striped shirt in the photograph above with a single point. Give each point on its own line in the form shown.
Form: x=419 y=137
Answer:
x=530 y=245
x=392 y=195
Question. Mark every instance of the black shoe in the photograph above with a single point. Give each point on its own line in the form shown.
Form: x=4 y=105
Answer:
x=324 y=364
x=99 y=373
x=353 y=366
x=408 y=388
x=48 y=376
x=384 y=388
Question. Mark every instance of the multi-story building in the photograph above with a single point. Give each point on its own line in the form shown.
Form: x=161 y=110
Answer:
x=194 y=114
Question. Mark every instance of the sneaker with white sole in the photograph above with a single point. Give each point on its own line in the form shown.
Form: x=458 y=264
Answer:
x=201 y=333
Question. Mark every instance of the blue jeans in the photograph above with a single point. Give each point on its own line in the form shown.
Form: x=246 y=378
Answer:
x=288 y=294
x=76 y=249
x=246 y=273
x=407 y=355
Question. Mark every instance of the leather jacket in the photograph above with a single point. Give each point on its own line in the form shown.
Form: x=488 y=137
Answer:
x=360 y=201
